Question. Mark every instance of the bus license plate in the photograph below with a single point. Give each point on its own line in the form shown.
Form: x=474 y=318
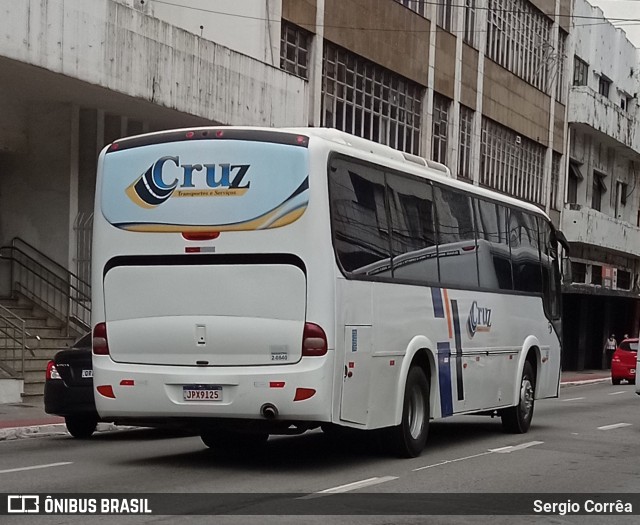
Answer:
x=201 y=393
x=87 y=373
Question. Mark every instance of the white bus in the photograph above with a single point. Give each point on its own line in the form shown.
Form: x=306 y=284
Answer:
x=252 y=281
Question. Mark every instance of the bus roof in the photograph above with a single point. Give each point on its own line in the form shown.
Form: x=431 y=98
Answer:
x=414 y=164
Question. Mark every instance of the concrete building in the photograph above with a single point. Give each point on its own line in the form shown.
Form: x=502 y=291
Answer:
x=601 y=217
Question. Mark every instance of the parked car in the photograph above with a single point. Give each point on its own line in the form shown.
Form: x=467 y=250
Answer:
x=623 y=363
x=68 y=390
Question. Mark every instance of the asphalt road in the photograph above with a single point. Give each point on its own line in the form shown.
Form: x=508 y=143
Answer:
x=586 y=441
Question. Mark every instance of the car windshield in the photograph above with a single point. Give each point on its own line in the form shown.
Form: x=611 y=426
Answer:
x=629 y=345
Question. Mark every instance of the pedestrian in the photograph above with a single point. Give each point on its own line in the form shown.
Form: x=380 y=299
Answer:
x=608 y=350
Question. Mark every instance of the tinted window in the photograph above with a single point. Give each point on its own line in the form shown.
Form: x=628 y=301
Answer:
x=525 y=257
x=456 y=238
x=413 y=242
x=630 y=346
x=361 y=232
x=494 y=256
x=550 y=273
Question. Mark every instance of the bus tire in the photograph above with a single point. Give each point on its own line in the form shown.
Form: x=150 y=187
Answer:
x=227 y=439
x=517 y=419
x=81 y=427
x=408 y=439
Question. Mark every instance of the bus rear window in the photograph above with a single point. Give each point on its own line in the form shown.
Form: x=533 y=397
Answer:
x=205 y=185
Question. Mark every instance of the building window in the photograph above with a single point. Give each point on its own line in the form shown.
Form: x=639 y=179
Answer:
x=367 y=100
x=440 y=128
x=596 y=274
x=603 y=86
x=555 y=180
x=466 y=134
x=444 y=11
x=559 y=64
x=518 y=37
x=625 y=102
x=469 y=22
x=294 y=50
x=580 y=72
x=599 y=189
x=511 y=163
x=621 y=198
x=578 y=272
x=623 y=281
x=419 y=6
x=575 y=176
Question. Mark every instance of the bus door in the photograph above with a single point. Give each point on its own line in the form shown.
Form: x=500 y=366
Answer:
x=357 y=374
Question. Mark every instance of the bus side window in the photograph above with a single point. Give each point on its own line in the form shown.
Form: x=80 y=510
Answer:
x=550 y=271
x=525 y=254
x=361 y=231
x=494 y=259
x=413 y=237
x=456 y=238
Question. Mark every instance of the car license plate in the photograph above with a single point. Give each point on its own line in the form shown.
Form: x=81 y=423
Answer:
x=87 y=373
x=202 y=393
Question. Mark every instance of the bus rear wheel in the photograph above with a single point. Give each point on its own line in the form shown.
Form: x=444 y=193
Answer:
x=408 y=439
x=517 y=419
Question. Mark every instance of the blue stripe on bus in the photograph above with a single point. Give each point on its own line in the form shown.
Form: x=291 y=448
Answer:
x=444 y=378
x=458 y=340
x=436 y=298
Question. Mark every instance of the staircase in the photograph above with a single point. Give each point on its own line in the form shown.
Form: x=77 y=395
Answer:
x=48 y=309
x=45 y=336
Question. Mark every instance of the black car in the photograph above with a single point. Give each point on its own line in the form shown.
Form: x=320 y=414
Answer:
x=68 y=390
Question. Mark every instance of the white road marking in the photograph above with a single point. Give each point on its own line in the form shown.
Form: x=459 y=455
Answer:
x=573 y=399
x=34 y=467
x=452 y=461
x=617 y=425
x=617 y=393
x=508 y=450
x=350 y=486
x=501 y=450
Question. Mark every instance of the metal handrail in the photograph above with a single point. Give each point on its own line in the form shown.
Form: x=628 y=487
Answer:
x=14 y=330
x=54 y=288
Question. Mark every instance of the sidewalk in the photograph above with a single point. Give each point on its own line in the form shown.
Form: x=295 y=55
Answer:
x=26 y=419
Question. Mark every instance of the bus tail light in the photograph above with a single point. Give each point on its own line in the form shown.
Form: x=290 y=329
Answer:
x=304 y=393
x=106 y=391
x=314 y=341
x=100 y=343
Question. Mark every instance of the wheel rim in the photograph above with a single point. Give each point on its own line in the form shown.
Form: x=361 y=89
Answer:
x=526 y=397
x=416 y=413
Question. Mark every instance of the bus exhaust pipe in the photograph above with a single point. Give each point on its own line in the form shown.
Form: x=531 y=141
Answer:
x=269 y=411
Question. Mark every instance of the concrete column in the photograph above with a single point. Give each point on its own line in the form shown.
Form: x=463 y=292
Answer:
x=315 y=69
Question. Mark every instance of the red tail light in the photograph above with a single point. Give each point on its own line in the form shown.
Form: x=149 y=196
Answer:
x=100 y=343
x=314 y=341
x=200 y=236
x=52 y=371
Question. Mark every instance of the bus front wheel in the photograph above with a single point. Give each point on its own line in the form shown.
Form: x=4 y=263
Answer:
x=410 y=436
x=517 y=419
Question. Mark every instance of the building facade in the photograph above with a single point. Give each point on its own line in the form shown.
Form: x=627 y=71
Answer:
x=601 y=215
x=479 y=85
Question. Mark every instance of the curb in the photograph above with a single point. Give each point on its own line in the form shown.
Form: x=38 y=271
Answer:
x=57 y=429
x=585 y=382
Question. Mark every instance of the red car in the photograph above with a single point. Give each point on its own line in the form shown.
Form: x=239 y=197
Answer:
x=623 y=363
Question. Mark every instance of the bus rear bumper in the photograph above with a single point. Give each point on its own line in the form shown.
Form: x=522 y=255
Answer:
x=299 y=392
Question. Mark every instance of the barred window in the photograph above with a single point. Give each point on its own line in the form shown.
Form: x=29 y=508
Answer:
x=294 y=49
x=560 y=65
x=580 y=72
x=367 y=100
x=440 y=128
x=419 y=6
x=510 y=163
x=555 y=181
x=444 y=13
x=466 y=130
x=518 y=40
x=469 y=22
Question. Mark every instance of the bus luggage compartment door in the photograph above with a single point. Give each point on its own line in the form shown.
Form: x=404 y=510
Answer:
x=357 y=373
x=205 y=314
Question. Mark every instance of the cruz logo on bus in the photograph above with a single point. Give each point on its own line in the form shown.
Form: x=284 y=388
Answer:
x=479 y=319
x=167 y=178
